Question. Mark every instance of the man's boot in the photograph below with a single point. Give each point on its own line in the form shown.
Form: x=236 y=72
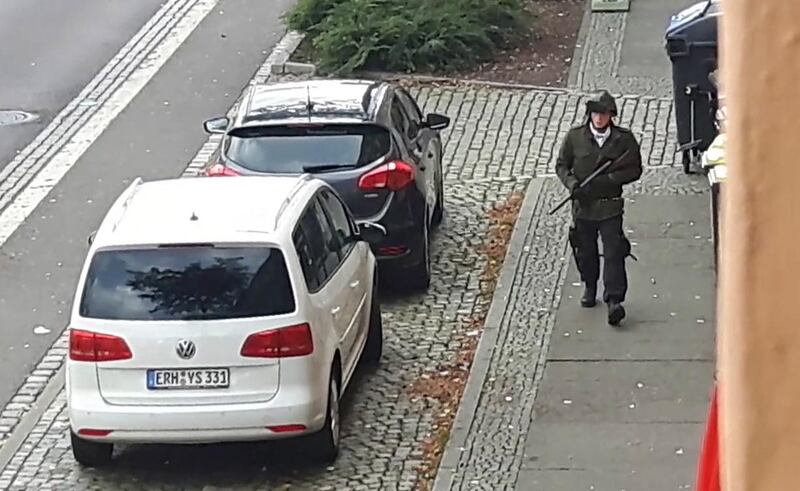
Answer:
x=589 y=298
x=616 y=312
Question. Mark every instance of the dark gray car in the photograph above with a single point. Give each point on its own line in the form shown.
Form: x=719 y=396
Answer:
x=368 y=140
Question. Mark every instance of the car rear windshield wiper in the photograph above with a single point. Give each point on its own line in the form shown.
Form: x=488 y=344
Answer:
x=327 y=167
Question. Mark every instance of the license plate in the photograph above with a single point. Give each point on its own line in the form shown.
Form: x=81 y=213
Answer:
x=189 y=378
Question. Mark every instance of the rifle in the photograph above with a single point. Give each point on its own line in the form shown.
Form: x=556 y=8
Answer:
x=600 y=170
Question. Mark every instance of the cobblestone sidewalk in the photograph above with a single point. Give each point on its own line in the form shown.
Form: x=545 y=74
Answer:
x=500 y=140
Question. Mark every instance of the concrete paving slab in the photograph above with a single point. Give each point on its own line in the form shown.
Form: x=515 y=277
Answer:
x=613 y=448
x=602 y=480
x=657 y=292
x=592 y=392
x=668 y=308
x=643 y=44
x=667 y=209
x=684 y=285
x=668 y=253
x=595 y=340
x=665 y=230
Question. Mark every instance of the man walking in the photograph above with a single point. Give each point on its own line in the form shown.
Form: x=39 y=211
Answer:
x=598 y=207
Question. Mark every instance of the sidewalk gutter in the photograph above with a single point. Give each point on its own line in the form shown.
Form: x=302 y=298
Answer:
x=483 y=355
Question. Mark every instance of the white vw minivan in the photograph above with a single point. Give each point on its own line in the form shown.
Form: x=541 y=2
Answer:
x=213 y=310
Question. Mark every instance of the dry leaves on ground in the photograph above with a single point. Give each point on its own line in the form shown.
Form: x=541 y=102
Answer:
x=446 y=384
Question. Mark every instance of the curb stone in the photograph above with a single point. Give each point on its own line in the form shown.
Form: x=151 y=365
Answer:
x=483 y=355
x=293 y=68
x=573 y=81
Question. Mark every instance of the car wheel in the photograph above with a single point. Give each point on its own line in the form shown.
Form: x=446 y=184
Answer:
x=90 y=453
x=374 y=346
x=325 y=443
x=438 y=210
x=419 y=276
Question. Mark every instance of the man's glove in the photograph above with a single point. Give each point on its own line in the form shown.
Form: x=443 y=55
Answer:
x=578 y=192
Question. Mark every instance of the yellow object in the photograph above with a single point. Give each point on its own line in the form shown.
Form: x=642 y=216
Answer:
x=714 y=160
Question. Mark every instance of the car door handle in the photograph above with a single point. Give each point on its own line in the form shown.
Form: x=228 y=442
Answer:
x=354 y=284
x=336 y=310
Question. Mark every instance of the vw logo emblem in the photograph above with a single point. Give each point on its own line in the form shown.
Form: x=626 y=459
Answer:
x=185 y=349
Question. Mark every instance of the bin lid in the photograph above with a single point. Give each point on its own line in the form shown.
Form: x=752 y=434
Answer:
x=692 y=13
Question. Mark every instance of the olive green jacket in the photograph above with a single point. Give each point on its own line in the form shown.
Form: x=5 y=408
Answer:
x=580 y=156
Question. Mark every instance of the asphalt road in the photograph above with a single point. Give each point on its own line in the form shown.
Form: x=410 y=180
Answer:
x=49 y=51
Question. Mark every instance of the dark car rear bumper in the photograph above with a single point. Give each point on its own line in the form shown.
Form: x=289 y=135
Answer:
x=402 y=245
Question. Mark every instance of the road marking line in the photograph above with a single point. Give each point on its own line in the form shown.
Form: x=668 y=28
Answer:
x=38 y=392
x=53 y=171
x=52 y=138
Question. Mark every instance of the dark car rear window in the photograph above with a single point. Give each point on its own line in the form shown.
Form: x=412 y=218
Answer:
x=288 y=149
x=187 y=283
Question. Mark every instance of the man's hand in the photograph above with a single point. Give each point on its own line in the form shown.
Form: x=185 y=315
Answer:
x=576 y=191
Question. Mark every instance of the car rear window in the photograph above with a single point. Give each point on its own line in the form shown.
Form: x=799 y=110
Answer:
x=290 y=149
x=187 y=283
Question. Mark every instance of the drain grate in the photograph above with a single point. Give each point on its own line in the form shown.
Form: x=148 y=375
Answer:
x=15 y=117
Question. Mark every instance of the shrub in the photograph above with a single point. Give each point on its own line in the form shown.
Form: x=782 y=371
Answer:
x=407 y=35
x=307 y=14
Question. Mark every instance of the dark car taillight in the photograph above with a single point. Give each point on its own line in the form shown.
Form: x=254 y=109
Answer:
x=219 y=170
x=393 y=176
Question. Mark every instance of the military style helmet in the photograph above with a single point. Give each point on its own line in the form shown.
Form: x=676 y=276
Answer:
x=602 y=102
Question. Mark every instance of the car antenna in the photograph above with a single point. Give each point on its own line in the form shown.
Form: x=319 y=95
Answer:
x=194 y=217
x=309 y=104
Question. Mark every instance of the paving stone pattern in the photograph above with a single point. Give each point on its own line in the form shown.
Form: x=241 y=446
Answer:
x=499 y=140
x=601 y=56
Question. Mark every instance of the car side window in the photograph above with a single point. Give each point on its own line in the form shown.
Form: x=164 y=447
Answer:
x=331 y=254
x=402 y=120
x=411 y=107
x=308 y=241
x=341 y=224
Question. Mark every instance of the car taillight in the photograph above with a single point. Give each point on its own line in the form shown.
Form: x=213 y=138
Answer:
x=392 y=250
x=93 y=432
x=279 y=343
x=393 y=176
x=219 y=170
x=91 y=346
x=287 y=428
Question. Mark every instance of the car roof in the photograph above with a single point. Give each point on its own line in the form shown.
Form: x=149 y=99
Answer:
x=204 y=210
x=340 y=101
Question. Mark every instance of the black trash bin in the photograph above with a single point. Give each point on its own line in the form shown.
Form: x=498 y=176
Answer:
x=691 y=44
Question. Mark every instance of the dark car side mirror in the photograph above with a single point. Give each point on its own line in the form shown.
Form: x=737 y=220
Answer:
x=216 y=125
x=90 y=239
x=437 y=121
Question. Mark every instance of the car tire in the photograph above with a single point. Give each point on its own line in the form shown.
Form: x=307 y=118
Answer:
x=324 y=444
x=419 y=276
x=438 y=210
x=373 y=349
x=90 y=453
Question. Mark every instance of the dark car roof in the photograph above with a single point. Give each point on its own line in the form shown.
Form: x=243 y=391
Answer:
x=341 y=101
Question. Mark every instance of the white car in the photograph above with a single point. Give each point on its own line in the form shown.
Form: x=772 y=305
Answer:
x=213 y=310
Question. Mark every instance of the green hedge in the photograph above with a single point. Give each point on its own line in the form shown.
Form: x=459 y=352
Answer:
x=408 y=35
